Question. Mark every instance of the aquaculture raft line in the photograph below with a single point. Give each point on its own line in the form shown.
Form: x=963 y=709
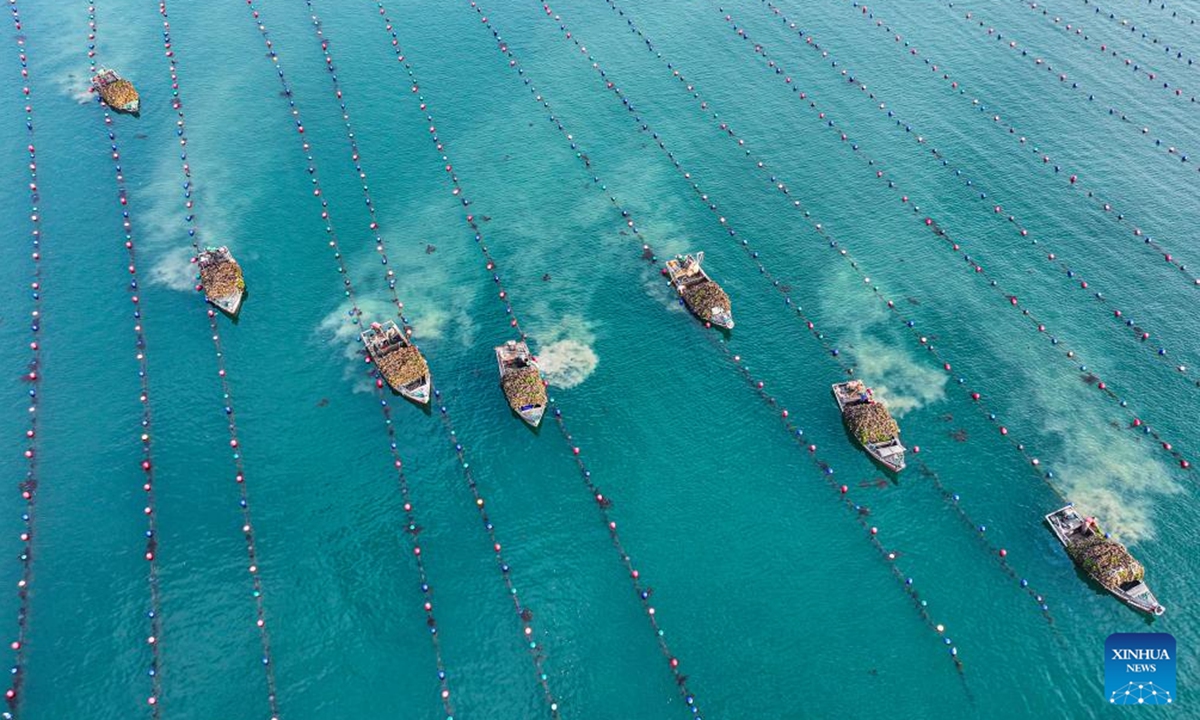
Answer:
x=831 y=351
x=1137 y=332
x=33 y=376
x=228 y=411
x=931 y=225
x=1073 y=178
x=649 y=254
x=1038 y=61
x=840 y=250
x=1140 y=68
x=603 y=502
x=146 y=464
x=1178 y=55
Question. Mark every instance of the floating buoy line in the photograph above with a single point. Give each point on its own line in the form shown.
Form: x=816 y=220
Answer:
x=794 y=431
x=1174 y=14
x=1139 y=68
x=831 y=351
x=1177 y=53
x=33 y=376
x=979 y=400
x=972 y=263
x=145 y=429
x=228 y=408
x=1040 y=62
x=1073 y=178
x=1138 y=332
x=603 y=502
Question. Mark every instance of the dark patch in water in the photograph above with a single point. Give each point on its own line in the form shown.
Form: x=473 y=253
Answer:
x=875 y=482
x=140 y=136
x=487 y=218
x=913 y=301
x=647 y=254
x=947 y=417
x=786 y=288
x=546 y=277
x=1089 y=378
x=323 y=402
x=430 y=249
x=959 y=435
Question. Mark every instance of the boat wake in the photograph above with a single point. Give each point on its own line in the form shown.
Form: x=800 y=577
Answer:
x=908 y=386
x=565 y=355
x=567 y=363
x=175 y=271
x=1109 y=473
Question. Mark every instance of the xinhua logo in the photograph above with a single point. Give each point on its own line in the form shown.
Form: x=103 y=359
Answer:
x=1139 y=669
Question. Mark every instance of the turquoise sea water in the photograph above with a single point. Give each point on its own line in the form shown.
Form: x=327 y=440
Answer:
x=765 y=585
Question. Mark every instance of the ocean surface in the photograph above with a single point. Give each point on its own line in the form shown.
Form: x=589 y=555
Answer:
x=766 y=585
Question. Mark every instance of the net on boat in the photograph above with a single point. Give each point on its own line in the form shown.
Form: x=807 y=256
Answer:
x=118 y=93
x=871 y=422
x=523 y=387
x=703 y=297
x=222 y=278
x=1107 y=561
x=403 y=365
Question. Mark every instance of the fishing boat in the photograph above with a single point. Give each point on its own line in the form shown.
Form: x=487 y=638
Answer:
x=221 y=278
x=702 y=296
x=400 y=362
x=521 y=380
x=870 y=423
x=116 y=92
x=1104 y=560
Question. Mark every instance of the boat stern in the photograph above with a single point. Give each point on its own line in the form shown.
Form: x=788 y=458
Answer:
x=890 y=455
x=532 y=414
x=229 y=304
x=419 y=394
x=722 y=318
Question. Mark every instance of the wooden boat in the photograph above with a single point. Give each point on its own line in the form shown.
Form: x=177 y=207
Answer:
x=400 y=362
x=1083 y=540
x=870 y=424
x=221 y=278
x=116 y=92
x=521 y=380
x=702 y=296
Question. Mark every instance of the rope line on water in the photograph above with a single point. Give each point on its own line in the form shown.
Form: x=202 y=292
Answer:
x=648 y=253
x=1177 y=53
x=228 y=408
x=831 y=350
x=33 y=376
x=413 y=528
x=979 y=400
x=971 y=263
x=1073 y=178
x=1139 y=333
x=146 y=464
x=1040 y=62
x=1141 y=69
x=603 y=502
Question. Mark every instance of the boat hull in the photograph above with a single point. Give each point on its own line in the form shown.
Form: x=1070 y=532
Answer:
x=231 y=305
x=532 y=416
x=419 y=395
x=889 y=463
